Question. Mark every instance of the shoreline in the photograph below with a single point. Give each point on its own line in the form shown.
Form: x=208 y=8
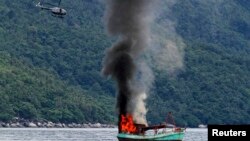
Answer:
x=22 y=123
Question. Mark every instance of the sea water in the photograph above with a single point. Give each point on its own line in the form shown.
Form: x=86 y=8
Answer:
x=79 y=134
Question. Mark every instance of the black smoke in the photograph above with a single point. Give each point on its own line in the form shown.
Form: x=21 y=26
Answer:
x=129 y=20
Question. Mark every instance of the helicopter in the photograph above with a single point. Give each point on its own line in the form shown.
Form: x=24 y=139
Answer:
x=57 y=11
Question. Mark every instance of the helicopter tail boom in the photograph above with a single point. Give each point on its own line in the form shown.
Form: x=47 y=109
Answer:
x=42 y=7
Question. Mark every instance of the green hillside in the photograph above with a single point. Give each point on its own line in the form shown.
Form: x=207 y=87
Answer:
x=57 y=70
x=35 y=93
x=50 y=67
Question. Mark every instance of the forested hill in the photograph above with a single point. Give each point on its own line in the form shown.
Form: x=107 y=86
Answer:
x=50 y=67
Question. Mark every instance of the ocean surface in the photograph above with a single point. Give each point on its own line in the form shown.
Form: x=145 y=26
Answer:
x=82 y=134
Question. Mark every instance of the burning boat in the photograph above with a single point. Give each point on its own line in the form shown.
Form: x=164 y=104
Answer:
x=126 y=63
x=167 y=134
x=129 y=131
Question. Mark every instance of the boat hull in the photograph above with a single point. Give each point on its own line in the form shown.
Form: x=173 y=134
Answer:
x=159 y=137
x=144 y=140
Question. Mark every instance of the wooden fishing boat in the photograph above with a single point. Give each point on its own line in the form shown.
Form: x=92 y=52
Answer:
x=175 y=134
x=129 y=131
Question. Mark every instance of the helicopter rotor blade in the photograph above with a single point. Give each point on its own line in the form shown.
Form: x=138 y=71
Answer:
x=46 y=3
x=59 y=3
x=41 y=2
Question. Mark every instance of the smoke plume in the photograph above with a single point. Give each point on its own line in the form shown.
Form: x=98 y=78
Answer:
x=129 y=20
x=167 y=51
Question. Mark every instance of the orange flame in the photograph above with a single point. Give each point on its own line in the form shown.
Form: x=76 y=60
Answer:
x=127 y=125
